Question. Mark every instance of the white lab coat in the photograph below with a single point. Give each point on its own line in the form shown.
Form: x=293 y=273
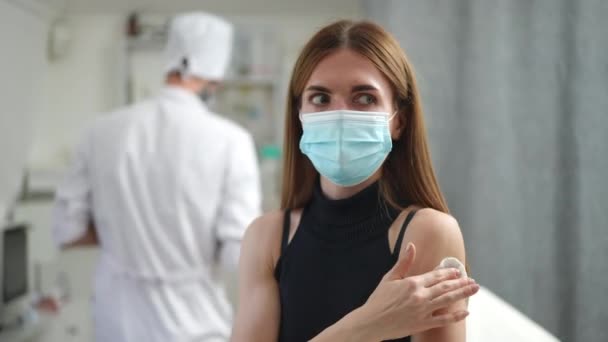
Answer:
x=171 y=188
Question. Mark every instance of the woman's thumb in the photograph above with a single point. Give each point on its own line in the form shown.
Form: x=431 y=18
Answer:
x=402 y=266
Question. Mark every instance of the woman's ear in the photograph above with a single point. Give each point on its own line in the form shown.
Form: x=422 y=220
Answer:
x=397 y=125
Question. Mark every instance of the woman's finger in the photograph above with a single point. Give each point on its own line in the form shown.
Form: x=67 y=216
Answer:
x=431 y=278
x=448 y=318
x=449 y=285
x=402 y=266
x=453 y=296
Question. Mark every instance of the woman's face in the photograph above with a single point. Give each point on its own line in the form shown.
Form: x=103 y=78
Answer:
x=347 y=80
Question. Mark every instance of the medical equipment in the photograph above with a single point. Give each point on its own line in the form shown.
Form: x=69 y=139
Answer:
x=14 y=274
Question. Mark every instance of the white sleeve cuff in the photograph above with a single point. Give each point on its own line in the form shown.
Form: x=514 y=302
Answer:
x=68 y=225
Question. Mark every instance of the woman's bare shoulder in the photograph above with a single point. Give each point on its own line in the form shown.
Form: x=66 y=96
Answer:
x=436 y=235
x=265 y=233
x=267 y=224
x=435 y=222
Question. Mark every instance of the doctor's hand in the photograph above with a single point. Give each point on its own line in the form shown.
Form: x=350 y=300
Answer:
x=48 y=305
x=402 y=306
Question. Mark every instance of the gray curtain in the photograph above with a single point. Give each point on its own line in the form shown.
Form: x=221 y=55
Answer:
x=516 y=99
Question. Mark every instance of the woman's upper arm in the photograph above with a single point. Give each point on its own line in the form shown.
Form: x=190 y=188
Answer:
x=436 y=236
x=258 y=311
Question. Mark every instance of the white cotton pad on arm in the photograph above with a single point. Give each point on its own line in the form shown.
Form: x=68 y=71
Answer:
x=451 y=262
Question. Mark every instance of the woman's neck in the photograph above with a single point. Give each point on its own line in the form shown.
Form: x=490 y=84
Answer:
x=337 y=192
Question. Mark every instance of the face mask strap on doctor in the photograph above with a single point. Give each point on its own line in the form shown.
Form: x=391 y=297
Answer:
x=346 y=146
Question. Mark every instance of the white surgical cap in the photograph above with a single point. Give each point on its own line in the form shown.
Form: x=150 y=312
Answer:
x=203 y=41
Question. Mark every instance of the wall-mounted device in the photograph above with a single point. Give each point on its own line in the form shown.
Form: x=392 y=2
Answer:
x=13 y=273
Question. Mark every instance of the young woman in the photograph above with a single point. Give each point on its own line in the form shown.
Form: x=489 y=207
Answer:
x=359 y=192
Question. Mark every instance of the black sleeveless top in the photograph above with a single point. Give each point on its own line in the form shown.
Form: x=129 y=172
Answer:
x=334 y=262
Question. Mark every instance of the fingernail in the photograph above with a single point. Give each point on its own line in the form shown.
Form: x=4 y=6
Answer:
x=462 y=314
x=408 y=247
x=457 y=272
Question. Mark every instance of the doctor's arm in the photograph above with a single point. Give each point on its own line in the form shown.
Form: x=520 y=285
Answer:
x=72 y=223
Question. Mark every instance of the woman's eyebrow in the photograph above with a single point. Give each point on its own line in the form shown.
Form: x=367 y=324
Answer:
x=364 y=87
x=318 y=88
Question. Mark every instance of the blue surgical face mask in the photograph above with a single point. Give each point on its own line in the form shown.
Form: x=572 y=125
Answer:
x=347 y=147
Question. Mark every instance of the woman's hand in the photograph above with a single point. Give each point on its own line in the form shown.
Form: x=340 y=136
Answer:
x=403 y=306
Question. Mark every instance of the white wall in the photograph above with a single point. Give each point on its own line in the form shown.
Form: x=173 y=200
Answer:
x=22 y=63
x=77 y=87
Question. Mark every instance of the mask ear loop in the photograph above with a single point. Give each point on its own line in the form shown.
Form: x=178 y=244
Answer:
x=183 y=68
x=393 y=116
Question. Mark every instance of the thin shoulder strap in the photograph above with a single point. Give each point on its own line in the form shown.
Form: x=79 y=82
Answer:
x=286 y=226
x=399 y=241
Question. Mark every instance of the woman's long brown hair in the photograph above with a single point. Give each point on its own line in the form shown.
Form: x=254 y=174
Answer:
x=407 y=175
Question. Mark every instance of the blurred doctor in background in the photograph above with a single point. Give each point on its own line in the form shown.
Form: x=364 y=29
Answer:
x=166 y=189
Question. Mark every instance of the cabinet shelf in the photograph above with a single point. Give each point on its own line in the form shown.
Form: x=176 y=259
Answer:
x=249 y=81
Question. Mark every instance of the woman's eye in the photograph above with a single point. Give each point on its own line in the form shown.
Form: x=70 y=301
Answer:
x=365 y=99
x=319 y=99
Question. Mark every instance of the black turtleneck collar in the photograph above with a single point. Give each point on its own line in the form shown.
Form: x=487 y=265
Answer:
x=365 y=205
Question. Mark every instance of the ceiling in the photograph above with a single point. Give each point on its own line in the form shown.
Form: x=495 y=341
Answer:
x=240 y=7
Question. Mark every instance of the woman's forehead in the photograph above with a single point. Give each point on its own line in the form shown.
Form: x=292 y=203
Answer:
x=346 y=68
